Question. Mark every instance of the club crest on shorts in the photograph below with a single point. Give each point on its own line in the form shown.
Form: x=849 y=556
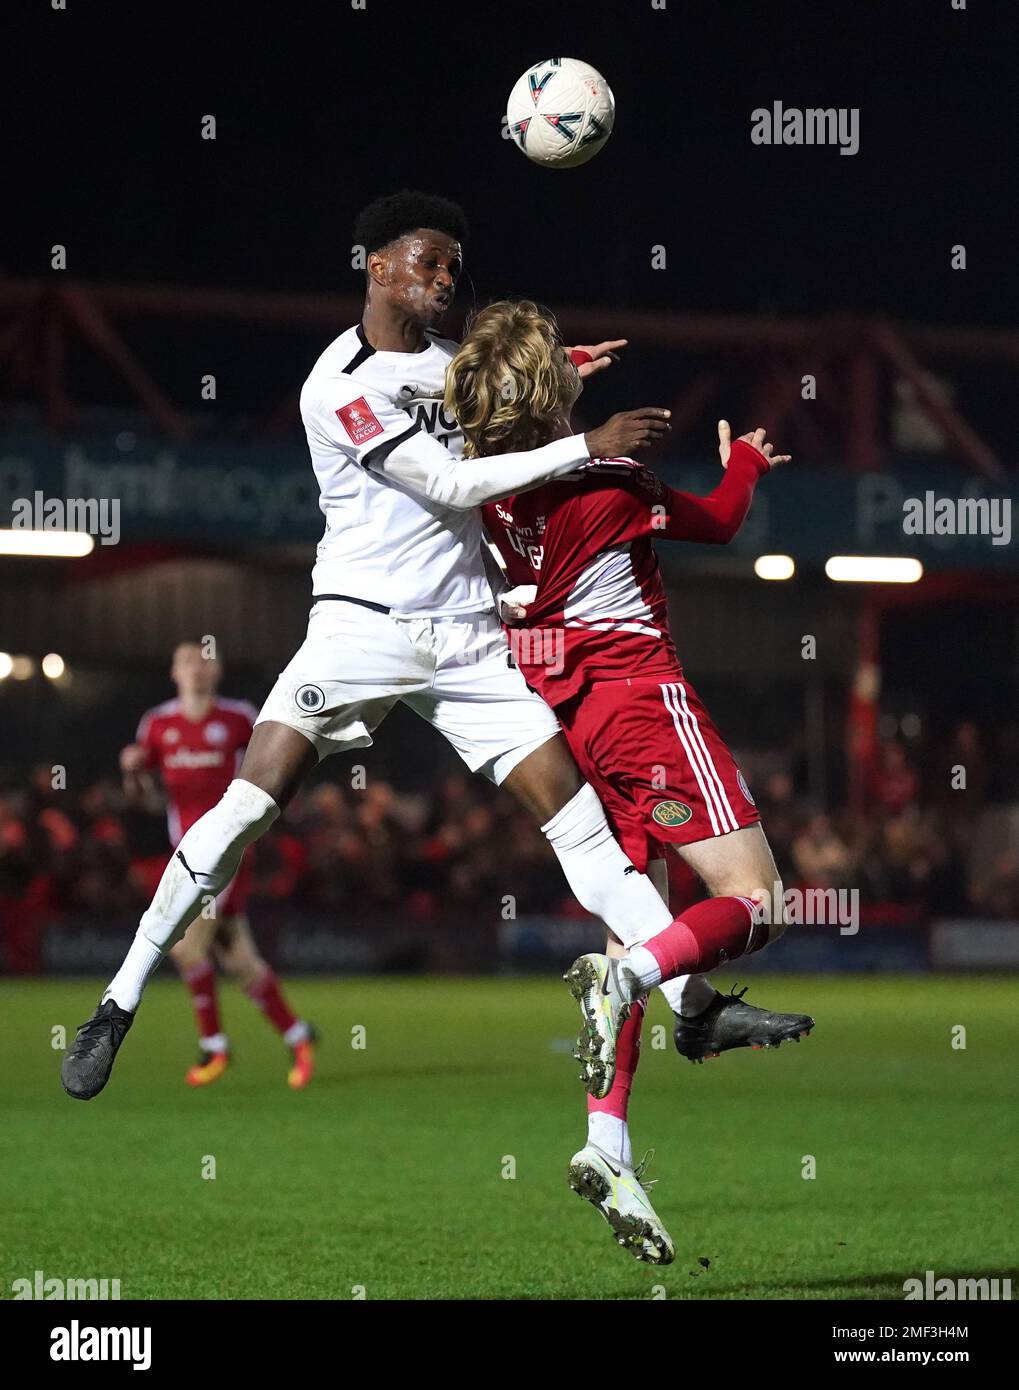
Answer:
x=309 y=699
x=744 y=788
x=672 y=813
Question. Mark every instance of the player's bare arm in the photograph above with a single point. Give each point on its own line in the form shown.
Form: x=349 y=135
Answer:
x=132 y=759
x=140 y=786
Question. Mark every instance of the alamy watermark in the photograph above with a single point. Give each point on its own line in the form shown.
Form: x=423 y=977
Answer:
x=98 y=516
x=41 y=1287
x=814 y=907
x=78 y=1343
x=931 y=515
x=528 y=646
x=815 y=125
x=933 y=1289
x=538 y=646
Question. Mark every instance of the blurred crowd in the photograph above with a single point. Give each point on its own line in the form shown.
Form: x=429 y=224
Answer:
x=458 y=852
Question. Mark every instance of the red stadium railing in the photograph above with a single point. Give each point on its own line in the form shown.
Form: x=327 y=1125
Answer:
x=852 y=358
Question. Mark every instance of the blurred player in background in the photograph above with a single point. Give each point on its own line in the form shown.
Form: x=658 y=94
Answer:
x=598 y=648
x=196 y=742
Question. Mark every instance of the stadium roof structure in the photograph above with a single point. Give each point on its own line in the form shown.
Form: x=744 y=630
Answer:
x=48 y=325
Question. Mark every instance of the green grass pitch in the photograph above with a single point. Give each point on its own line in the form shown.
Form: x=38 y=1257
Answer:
x=387 y=1174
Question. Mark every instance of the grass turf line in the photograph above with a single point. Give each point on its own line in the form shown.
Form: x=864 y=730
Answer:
x=387 y=1172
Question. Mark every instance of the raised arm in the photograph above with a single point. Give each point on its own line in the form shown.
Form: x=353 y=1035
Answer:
x=716 y=518
x=423 y=464
x=139 y=781
x=378 y=435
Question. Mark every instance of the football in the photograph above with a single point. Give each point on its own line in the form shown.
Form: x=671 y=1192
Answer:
x=560 y=112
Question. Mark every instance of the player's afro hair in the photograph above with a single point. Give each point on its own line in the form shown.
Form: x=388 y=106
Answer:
x=393 y=216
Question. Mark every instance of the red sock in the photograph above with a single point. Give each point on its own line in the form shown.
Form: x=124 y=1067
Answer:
x=201 y=981
x=708 y=934
x=627 y=1056
x=266 y=993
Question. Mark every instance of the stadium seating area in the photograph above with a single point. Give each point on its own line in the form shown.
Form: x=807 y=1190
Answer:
x=447 y=855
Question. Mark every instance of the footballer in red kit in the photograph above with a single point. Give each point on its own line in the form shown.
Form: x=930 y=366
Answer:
x=196 y=760
x=610 y=670
x=195 y=743
x=588 y=627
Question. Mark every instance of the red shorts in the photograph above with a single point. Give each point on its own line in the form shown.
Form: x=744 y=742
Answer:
x=658 y=763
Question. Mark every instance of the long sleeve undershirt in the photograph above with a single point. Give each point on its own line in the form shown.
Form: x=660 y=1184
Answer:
x=423 y=465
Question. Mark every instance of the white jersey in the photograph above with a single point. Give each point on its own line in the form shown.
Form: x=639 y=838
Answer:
x=403 y=529
x=384 y=542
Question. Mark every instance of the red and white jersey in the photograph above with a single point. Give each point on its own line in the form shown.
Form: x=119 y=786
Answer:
x=196 y=758
x=587 y=543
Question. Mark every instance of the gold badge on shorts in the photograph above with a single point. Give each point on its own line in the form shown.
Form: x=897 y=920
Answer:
x=672 y=813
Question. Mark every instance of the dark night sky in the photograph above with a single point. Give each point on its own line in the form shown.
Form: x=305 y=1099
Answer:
x=320 y=108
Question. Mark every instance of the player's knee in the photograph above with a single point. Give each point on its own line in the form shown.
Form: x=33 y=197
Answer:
x=547 y=781
x=242 y=965
x=186 y=956
x=771 y=901
x=248 y=809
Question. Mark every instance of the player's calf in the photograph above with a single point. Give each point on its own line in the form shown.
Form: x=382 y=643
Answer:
x=771 y=905
x=729 y=1022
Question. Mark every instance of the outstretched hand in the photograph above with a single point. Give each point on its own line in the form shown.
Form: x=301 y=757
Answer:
x=602 y=355
x=629 y=430
x=757 y=440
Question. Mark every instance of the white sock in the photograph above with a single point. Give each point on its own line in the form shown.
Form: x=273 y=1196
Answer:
x=602 y=878
x=644 y=966
x=216 y=1042
x=688 y=995
x=297 y=1033
x=203 y=864
x=610 y=1134
x=125 y=989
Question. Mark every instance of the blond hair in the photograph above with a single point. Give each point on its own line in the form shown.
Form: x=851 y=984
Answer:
x=509 y=379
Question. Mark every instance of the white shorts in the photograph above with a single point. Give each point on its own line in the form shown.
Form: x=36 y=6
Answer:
x=355 y=664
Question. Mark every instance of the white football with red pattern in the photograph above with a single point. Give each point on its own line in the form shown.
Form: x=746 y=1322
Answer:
x=560 y=113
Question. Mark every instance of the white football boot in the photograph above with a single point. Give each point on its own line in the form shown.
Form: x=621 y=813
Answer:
x=605 y=988
x=622 y=1198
